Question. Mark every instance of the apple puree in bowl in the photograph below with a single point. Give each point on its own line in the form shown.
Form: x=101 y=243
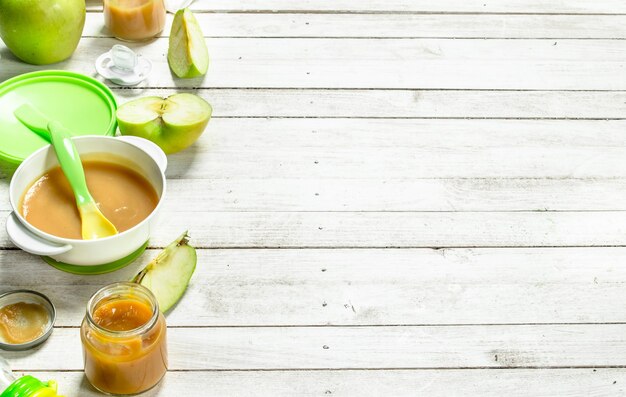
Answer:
x=22 y=322
x=124 y=196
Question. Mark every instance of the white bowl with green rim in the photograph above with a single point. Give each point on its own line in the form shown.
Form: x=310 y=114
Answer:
x=88 y=256
x=87 y=107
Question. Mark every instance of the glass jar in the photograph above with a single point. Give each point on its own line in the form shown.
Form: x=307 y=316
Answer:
x=124 y=340
x=134 y=20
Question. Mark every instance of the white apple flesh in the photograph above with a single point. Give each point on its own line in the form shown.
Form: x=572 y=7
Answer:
x=173 y=123
x=168 y=275
x=187 y=55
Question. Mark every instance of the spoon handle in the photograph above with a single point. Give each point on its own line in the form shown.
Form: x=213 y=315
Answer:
x=70 y=162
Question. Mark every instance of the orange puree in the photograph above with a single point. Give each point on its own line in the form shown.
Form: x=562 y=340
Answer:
x=22 y=322
x=122 y=315
x=125 y=358
x=134 y=19
x=124 y=196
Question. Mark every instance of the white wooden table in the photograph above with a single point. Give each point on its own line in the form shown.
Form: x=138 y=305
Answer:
x=393 y=198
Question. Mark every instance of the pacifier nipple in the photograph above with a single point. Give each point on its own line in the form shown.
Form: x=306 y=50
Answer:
x=123 y=66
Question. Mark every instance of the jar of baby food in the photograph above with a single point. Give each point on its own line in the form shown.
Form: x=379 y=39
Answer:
x=124 y=340
x=134 y=20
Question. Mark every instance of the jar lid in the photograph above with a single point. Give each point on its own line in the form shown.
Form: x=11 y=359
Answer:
x=29 y=386
x=28 y=296
x=82 y=104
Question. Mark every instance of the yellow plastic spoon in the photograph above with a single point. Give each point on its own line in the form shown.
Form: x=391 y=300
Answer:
x=93 y=223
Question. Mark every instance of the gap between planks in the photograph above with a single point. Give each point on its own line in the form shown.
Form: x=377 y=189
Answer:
x=403 y=7
x=324 y=63
x=340 y=26
x=413 y=287
x=578 y=382
x=358 y=348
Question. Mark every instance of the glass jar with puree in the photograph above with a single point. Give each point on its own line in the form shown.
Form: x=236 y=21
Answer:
x=134 y=20
x=124 y=340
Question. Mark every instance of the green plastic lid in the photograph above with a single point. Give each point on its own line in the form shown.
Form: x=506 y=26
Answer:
x=28 y=386
x=82 y=104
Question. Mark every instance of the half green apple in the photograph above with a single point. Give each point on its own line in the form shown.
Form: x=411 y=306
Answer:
x=168 y=275
x=188 y=55
x=173 y=123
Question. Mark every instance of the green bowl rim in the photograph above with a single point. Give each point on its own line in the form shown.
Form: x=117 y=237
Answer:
x=97 y=269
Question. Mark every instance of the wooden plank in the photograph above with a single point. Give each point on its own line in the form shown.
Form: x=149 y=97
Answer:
x=362 y=149
x=378 y=63
x=466 y=104
x=323 y=194
x=403 y=383
x=364 y=287
x=395 y=25
x=363 y=347
x=442 y=6
x=387 y=229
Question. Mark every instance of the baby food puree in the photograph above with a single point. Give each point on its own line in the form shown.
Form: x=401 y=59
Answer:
x=134 y=19
x=124 y=196
x=124 y=340
x=22 y=322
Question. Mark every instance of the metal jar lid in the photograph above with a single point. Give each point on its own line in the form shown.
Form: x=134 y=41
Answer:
x=28 y=296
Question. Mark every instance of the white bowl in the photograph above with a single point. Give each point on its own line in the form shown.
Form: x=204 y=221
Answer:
x=146 y=157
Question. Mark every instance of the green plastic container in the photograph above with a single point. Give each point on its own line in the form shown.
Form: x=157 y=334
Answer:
x=82 y=104
x=28 y=386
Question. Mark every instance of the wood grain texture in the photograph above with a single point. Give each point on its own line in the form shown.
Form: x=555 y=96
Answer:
x=396 y=6
x=355 y=383
x=365 y=286
x=364 y=149
x=378 y=63
x=341 y=126
x=460 y=104
x=381 y=195
x=387 y=229
x=495 y=346
x=394 y=25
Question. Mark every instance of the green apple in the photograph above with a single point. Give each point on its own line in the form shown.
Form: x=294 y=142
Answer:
x=173 y=123
x=42 y=31
x=187 y=54
x=168 y=275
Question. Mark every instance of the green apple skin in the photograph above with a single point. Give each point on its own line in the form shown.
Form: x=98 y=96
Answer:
x=170 y=135
x=170 y=138
x=168 y=275
x=187 y=55
x=42 y=32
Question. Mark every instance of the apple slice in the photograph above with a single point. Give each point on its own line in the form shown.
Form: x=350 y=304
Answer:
x=173 y=123
x=168 y=275
x=188 y=55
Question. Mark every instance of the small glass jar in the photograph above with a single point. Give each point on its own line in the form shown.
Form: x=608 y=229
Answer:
x=124 y=340
x=134 y=20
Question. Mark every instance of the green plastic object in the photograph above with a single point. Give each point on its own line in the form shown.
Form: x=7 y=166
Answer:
x=80 y=103
x=29 y=386
x=99 y=269
x=93 y=223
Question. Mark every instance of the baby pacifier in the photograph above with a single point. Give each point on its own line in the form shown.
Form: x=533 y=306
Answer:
x=123 y=66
